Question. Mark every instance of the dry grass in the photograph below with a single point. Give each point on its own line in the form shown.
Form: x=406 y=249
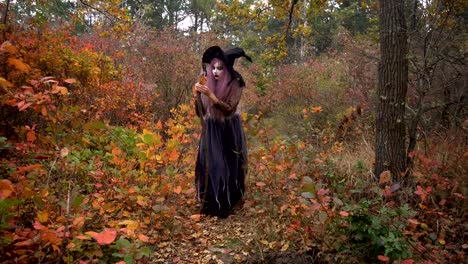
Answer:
x=355 y=161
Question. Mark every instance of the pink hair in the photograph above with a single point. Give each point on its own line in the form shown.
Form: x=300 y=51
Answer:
x=222 y=88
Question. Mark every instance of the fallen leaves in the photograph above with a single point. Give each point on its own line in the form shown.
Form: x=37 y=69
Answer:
x=196 y=217
x=107 y=236
x=260 y=184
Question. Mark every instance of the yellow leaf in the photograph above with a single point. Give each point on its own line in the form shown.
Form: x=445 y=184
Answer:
x=59 y=89
x=43 y=111
x=8 y=47
x=19 y=65
x=131 y=224
x=6 y=188
x=63 y=90
x=71 y=245
x=143 y=238
x=284 y=247
x=43 y=216
x=64 y=152
x=79 y=222
x=5 y=82
x=142 y=200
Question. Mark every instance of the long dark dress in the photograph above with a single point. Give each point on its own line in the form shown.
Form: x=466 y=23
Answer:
x=226 y=152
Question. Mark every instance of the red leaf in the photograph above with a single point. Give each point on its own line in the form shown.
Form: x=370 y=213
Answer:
x=260 y=184
x=178 y=189
x=387 y=192
x=71 y=80
x=283 y=207
x=383 y=258
x=344 y=213
x=105 y=237
x=39 y=226
x=174 y=155
x=195 y=217
x=82 y=237
x=385 y=177
x=28 y=242
x=23 y=105
x=317 y=109
x=321 y=192
x=419 y=191
x=407 y=261
x=31 y=136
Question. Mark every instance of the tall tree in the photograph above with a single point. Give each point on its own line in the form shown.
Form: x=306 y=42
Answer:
x=437 y=69
x=161 y=14
x=390 y=146
x=201 y=11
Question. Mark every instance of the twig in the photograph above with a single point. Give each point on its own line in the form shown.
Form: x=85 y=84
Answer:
x=111 y=18
x=291 y=10
x=50 y=170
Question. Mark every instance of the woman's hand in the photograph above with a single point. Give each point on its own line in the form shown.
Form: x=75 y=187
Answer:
x=206 y=91
x=203 y=89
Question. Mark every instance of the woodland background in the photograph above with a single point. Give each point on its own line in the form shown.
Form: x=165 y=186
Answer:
x=98 y=137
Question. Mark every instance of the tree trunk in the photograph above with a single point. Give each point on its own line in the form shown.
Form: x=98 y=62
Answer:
x=390 y=150
x=5 y=20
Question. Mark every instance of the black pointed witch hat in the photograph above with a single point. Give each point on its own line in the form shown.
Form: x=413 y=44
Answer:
x=235 y=53
x=228 y=56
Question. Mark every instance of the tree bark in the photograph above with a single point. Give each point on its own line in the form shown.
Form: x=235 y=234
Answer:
x=390 y=150
x=5 y=20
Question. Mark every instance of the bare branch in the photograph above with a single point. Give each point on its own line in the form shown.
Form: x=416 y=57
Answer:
x=291 y=10
x=105 y=13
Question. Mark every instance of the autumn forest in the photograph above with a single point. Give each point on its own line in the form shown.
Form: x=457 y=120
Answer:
x=354 y=111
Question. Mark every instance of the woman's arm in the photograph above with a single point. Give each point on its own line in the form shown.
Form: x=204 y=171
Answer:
x=230 y=105
x=227 y=106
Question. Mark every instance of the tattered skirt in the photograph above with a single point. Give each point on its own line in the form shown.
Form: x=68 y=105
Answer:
x=222 y=156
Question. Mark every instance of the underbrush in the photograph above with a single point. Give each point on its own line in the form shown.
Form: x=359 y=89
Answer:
x=319 y=194
x=108 y=197
x=89 y=172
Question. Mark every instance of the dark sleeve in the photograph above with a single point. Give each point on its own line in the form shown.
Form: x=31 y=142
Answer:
x=198 y=106
x=229 y=105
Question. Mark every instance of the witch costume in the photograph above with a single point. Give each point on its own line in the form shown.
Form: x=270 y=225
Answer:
x=221 y=165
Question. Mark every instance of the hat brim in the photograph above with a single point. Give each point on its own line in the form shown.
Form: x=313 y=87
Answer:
x=212 y=53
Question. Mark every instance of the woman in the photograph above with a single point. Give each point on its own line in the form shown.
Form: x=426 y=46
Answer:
x=222 y=157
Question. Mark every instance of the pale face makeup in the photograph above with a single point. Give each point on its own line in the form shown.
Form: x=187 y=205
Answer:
x=218 y=70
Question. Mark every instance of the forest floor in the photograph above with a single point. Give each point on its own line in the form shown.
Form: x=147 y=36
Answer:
x=231 y=240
